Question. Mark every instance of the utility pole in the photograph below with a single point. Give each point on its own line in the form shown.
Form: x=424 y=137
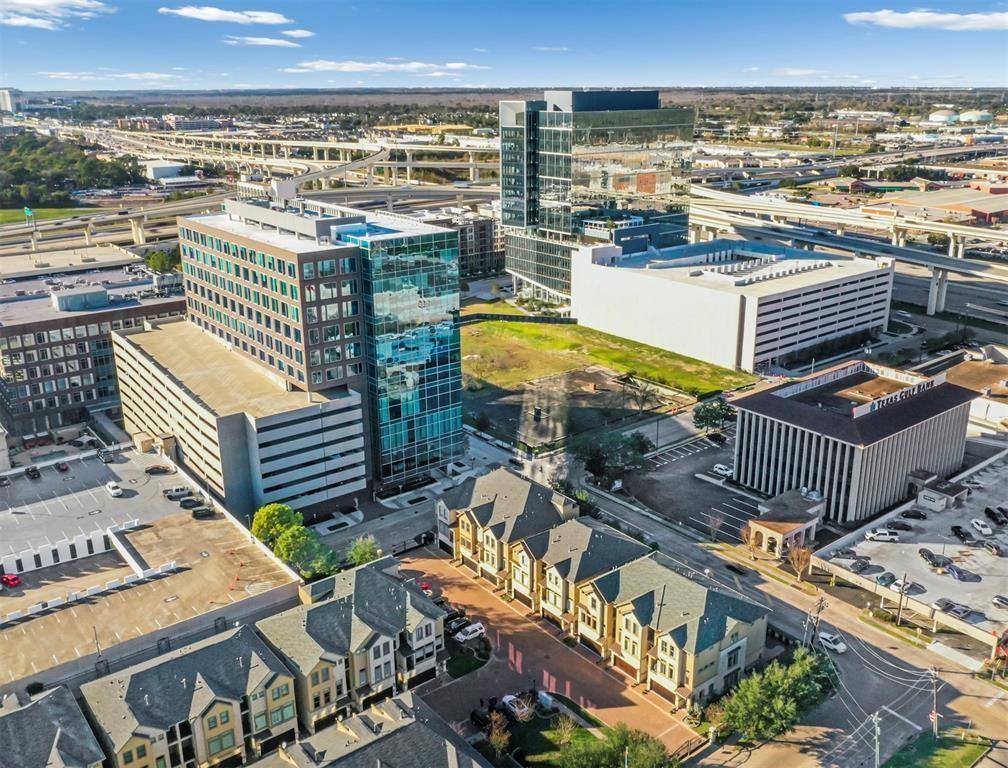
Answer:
x=902 y=593
x=812 y=621
x=934 y=702
x=878 y=736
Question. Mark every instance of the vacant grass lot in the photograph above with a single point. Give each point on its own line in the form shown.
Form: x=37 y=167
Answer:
x=16 y=215
x=540 y=741
x=946 y=752
x=505 y=354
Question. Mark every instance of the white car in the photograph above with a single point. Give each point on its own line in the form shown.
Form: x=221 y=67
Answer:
x=470 y=633
x=516 y=707
x=882 y=534
x=832 y=642
x=722 y=471
x=903 y=587
x=902 y=313
x=113 y=489
x=981 y=527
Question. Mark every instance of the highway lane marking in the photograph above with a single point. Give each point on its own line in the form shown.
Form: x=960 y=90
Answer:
x=995 y=700
x=905 y=720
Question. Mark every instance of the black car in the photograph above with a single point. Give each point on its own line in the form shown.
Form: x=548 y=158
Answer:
x=856 y=566
x=106 y=457
x=191 y=502
x=455 y=625
x=962 y=534
x=913 y=514
x=898 y=525
x=32 y=473
x=480 y=718
x=993 y=548
x=158 y=469
x=928 y=556
x=4 y=481
x=452 y=614
x=995 y=516
x=203 y=513
x=717 y=437
x=740 y=570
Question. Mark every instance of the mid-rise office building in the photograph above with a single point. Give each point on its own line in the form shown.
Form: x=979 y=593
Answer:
x=481 y=241
x=580 y=154
x=10 y=100
x=183 y=123
x=851 y=434
x=367 y=301
x=56 y=322
x=735 y=303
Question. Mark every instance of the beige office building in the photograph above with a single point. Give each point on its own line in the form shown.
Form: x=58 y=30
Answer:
x=234 y=423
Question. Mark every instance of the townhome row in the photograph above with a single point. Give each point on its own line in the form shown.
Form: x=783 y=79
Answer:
x=632 y=606
x=362 y=636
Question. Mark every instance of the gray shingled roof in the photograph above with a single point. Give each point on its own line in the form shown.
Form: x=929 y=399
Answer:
x=366 y=600
x=49 y=732
x=179 y=685
x=864 y=430
x=582 y=550
x=512 y=507
x=696 y=616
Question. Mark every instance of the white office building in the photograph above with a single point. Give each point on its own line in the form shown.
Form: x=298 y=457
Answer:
x=734 y=303
x=853 y=434
x=236 y=425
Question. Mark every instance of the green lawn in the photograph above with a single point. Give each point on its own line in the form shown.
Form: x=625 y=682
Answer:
x=462 y=660
x=505 y=354
x=946 y=752
x=540 y=741
x=16 y=215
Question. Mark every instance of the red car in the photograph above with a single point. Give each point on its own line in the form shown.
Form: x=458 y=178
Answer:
x=10 y=580
x=62 y=466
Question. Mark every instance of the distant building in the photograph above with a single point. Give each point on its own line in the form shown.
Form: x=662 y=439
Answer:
x=562 y=155
x=162 y=169
x=943 y=117
x=48 y=731
x=182 y=123
x=735 y=303
x=852 y=434
x=481 y=241
x=227 y=699
x=10 y=100
x=55 y=334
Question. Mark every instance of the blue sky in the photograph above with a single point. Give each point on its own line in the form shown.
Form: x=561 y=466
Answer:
x=130 y=44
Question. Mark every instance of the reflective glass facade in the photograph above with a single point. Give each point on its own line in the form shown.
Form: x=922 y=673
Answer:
x=411 y=301
x=576 y=152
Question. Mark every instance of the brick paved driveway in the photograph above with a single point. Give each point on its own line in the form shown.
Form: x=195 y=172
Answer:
x=527 y=651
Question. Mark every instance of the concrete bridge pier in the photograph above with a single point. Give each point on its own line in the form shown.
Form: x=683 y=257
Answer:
x=957 y=246
x=473 y=170
x=840 y=231
x=937 y=291
x=409 y=166
x=899 y=237
x=138 y=232
x=89 y=234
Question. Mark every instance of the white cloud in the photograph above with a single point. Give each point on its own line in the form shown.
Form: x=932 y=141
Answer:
x=49 y=14
x=481 y=50
x=350 y=65
x=135 y=76
x=925 y=19
x=275 y=42
x=551 y=48
x=298 y=33
x=751 y=69
x=440 y=73
x=211 y=13
x=801 y=72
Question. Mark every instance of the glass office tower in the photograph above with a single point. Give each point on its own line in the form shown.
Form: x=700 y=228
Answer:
x=411 y=300
x=581 y=155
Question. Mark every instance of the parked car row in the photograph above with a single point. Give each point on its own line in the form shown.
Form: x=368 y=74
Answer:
x=189 y=500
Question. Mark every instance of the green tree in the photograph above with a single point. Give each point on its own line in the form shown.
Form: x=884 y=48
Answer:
x=852 y=170
x=302 y=549
x=614 y=455
x=163 y=261
x=271 y=520
x=938 y=239
x=362 y=550
x=622 y=746
x=712 y=415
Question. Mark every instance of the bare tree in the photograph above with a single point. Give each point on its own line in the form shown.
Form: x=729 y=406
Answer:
x=564 y=725
x=526 y=712
x=748 y=536
x=715 y=519
x=498 y=736
x=642 y=394
x=800 y=559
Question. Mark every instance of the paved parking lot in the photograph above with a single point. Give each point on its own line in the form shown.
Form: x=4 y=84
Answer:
x=691 y=448
x=987 y=573
x=62 y=505
x=527 y=651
